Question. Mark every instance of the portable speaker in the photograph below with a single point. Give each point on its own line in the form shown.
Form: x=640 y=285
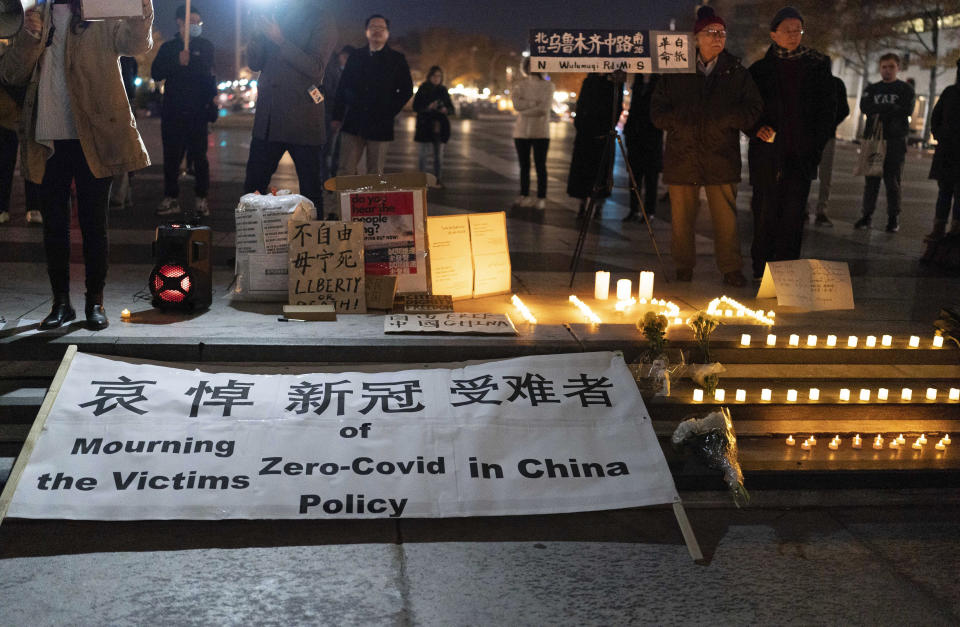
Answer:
x=181 y=277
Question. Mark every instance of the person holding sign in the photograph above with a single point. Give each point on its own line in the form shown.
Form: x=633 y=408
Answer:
x=799 y=116
x=703 y=114
x=78 y=128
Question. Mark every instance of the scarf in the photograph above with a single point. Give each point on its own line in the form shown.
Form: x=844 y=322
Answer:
x=783 y=53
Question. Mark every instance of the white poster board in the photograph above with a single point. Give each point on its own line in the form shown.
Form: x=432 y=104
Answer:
x=491 y=254
x=457 y=323
x=532 y=435
x=451 y=260
x=810 y=284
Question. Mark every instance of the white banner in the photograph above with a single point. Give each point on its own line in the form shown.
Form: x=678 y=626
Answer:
x=544 y=434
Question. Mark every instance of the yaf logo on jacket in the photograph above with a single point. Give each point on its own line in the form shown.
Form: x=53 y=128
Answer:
x=890 y=99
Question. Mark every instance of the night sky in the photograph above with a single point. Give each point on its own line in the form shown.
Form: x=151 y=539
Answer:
x=508 y=20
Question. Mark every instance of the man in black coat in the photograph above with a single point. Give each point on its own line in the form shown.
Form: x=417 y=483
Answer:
x=888 y=102
x=188 y=92
x=289 y=49
x=644 y=146
x=703 y=115
x=373 y=89
x=799 y=116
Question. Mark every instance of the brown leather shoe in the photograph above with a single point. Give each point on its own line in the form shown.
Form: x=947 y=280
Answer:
x=734 y=279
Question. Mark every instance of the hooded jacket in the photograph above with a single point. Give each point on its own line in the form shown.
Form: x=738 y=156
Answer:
x=703 y=117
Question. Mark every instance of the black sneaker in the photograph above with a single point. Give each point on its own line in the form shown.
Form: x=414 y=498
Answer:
x=893 y=225
x=862 y=224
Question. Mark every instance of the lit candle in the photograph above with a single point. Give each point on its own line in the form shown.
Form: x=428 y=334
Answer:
x=886 y=340
x=811 y=340
x=931 y=394
x=806 y=445
x=646 y=285
x=857 y=441
x=922 y=439
x=813 y=440
x=914 y=341
x=771 y=340
x=945 y=439
x=844 y=394
x=871 y=341
x=741 y=396
x=601 y=285
x=791 y=396
x=814 y=394
x=954 y=394
x=125 y=314
x=878 y=442
x=916 y=445
x=894 y=444
x=624 y=288
x=698 y=396
x=852 y=341
x=940 y=446
x=728 y=313
x=882 y=394
x=794 y=340
x=834 y=444
x=864 y=394
x=901 y=439
x=719 y=395
x=678 y=320
x=765 y=394
x=906 y=394
x=938 y=341
x=831 y=340
x=745 y=339
x=790 y=440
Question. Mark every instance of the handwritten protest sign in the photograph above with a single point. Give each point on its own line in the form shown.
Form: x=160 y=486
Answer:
x=394 y=234
x=451 y=260
x=459 y=323
x=809 y=284
x=532 y=435
x=605 y=51
x=326 y=265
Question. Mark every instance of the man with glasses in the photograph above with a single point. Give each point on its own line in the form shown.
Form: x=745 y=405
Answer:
x=703 y=114
x=800 y=106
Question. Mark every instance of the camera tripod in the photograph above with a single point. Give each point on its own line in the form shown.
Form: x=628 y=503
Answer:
x=603 y=182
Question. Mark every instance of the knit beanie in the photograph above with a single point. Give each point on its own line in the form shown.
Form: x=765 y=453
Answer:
x=786 y=13
x=706 y=17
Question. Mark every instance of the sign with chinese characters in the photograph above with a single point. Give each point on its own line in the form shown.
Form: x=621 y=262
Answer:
x=810 y=284
x=462 y=323
x=604 y=51
x=326 y=265
x=532 y=435
x=394 y=234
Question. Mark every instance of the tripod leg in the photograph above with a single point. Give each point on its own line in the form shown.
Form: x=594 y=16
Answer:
x=581 y=239
x=643 y=210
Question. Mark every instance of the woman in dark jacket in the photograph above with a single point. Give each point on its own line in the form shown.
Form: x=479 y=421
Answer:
x=596 y=115
x=945 y=126
x=432 y=104
x=644 y=145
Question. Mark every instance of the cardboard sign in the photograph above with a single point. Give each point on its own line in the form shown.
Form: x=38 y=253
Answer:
x=809 y=284
x=394 y=234
x=381 y=290
x=460 y=323
x=326 y=265
x=120 y=440
x=423 y=303
x=451 y=258
x=491 y=254
x=607 y=50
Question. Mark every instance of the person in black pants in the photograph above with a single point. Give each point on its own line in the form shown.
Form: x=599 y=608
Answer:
x=188 y=93
x=644 y=146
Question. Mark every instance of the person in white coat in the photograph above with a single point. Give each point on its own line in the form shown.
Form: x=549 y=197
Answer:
x=533 y=100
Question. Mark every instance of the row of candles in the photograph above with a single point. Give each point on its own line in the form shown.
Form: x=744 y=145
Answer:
x=852 y=341
x=813 y=394
x=601 y=287
x=857 y=442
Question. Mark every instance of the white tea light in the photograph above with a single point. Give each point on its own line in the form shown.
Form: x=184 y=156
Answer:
x=790 y=441
x=906 y=394
x=814 y=394
x=771 y=340
x=938 y=341
x=646 y=285
x=844 y=394
x=745 y=339
x=864 y=394
x=954 y=394
x=794 y=340
x=852 y=341
x=831 y=340
x=914 y=341
x=871 y=341
x=791 y=396
x=624 y=289
x=857 y=441
x=882 y=394
x=886 y=340
x=741 y=396
x=698 y=396
x=719 y=395
x=931 y=394
x=601 y=285
x=811 y=340
x=766 y=394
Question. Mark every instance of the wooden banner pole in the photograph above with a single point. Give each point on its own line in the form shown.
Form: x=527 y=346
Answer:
x=692 y=545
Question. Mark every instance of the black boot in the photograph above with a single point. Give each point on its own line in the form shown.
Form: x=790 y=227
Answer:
x=96 y=316
x=60 y=314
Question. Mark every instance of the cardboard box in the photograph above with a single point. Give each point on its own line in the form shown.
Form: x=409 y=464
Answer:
x=393 y=208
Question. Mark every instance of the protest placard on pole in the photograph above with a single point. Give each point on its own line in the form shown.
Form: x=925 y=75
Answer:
x=608 y=50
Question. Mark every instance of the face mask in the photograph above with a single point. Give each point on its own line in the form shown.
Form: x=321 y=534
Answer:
x=195 y=30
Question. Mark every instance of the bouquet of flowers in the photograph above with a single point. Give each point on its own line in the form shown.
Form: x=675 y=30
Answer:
x=714 y=441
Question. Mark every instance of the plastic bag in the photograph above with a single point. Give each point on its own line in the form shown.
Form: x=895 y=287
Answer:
x=714 y=441
x=700 y=372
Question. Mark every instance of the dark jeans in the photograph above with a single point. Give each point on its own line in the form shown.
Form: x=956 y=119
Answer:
x=778 y=218
x=184 y=136
x=540 y=147
x=892 y=171
x=66 y=166
x=8 y=162
x=308 y=160
x=946 y=196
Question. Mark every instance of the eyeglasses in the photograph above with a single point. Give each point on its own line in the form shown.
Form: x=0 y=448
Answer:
x=716 y=34
x=791 y=33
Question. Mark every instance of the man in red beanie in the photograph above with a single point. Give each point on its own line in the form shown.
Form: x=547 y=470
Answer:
x=703 y=114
